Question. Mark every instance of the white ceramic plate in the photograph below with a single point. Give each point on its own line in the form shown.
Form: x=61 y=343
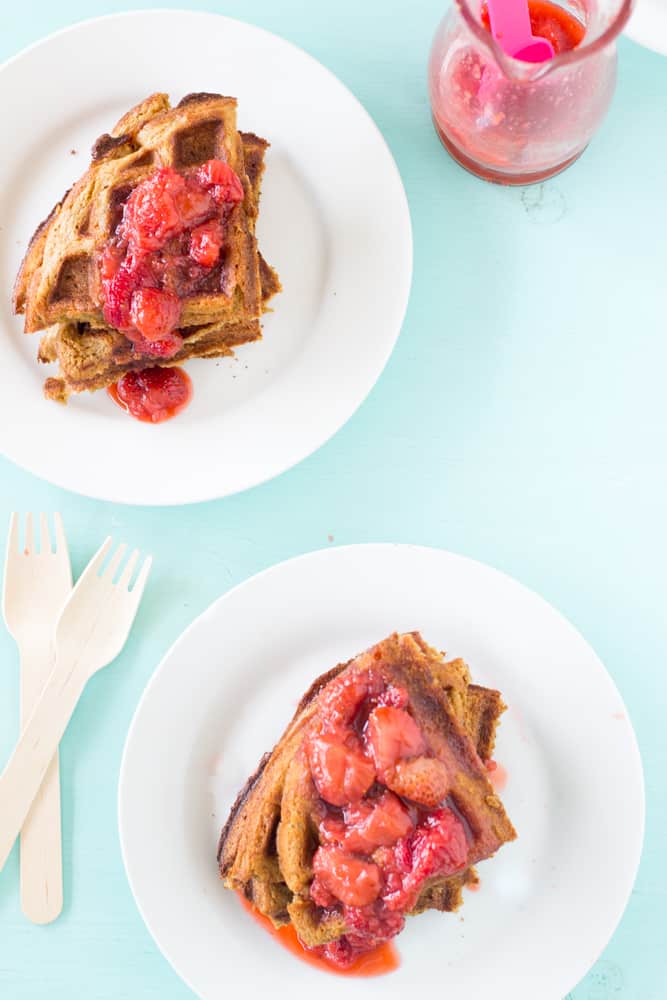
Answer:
x=549 y=902
x=334 y=222
x=648 y=25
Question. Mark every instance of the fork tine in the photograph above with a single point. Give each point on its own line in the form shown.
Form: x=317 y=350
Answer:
x=13 y=534
x=114 y=562
x=93 y=566
x=138 y=588
x=44 y=535
x=126 y=575
x=61 y=540
x=29 y=540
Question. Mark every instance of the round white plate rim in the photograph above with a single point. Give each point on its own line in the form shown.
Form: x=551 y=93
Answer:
x=365 y=549
x=313 y=441
x=649 y=17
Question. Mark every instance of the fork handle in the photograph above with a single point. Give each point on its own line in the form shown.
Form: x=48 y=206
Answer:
x=21 y=779
x=41 y=836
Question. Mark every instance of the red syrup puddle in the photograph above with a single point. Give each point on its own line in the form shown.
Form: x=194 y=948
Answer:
x=374 y=963
x=153 y=395
x=497 y=775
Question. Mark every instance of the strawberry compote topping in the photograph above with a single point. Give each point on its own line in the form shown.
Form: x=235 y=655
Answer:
x=153 y=394
x=384 y=824
x=164 y=249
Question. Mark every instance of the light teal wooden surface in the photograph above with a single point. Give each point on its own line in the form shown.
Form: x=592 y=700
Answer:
x=538 y=450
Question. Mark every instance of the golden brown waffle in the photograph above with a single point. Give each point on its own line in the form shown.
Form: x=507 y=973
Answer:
x=59 y=280
x=267 y=844
x=92 y=358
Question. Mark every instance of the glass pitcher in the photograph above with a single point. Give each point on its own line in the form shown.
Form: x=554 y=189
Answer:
x=515 y=122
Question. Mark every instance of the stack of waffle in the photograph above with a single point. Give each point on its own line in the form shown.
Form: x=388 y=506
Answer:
x=59 y=287
x=267 y=845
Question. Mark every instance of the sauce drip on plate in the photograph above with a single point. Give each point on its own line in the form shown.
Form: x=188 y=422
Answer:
x=375 y=963
x=153 y=395
x=497 y=775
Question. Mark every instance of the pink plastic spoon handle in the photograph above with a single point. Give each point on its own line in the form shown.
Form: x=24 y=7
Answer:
x=510 y=24
x=511 y=28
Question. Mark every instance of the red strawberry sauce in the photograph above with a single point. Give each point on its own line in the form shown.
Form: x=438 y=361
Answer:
x=378 y=962
x=497 y=775
x=153 y=395
x=169 y=239
x=385 y=826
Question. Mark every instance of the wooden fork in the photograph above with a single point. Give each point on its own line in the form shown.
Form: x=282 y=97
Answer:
x=36 y=586
x=90 y=633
